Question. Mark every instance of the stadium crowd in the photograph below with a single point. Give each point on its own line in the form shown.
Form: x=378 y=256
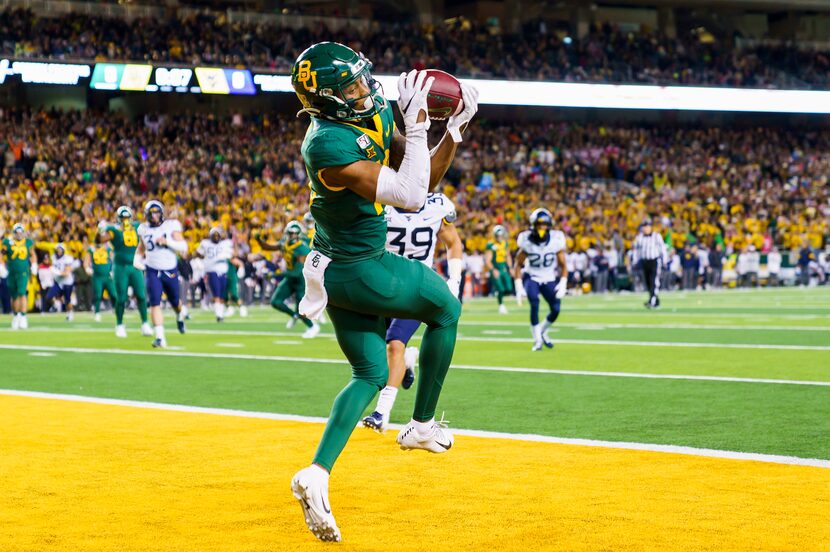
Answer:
x=462 y=48
x=717 y=195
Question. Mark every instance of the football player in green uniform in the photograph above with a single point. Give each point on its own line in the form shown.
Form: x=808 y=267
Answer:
x=497 y=263
x=21 y=263
x=98 y=264
x=124 y=239
x=357 y=162
x=294 y=251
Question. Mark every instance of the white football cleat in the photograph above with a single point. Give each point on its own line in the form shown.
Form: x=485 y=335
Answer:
x=24 y=323
x=146 y=330
x=438 y=439
x=312 y=331
x=310 y=487
x=70 y=315
x=16 y=321
x=121 y=330
x=229 y=312
x=537 y=345
x=243 y=311
x=502 y=309
x=97 y=316
x=291 y=322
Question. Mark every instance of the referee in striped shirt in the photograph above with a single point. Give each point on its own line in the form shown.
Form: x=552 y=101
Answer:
x=649 y=252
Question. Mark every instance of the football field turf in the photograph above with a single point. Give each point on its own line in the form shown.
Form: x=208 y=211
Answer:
x=570 y=447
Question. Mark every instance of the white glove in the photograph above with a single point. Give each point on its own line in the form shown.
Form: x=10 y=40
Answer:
x=138 y=262
x=561 y=288
x=88 y=270
x=519 y=287
x=470 y=96
x=412 y=97
x=454 y=285
x=33 y=267
x=4 y=272
x=102 y=226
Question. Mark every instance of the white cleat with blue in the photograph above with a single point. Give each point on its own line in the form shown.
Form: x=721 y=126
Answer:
x=310 y=487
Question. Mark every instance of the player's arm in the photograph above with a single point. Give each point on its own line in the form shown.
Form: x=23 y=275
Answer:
x=104 y=233
x=562 y=285
x=488 y=260
x=87 y=262
x=276 y=246
x=138 y=258
x=176 y=242
x=519 y=264
x=407 y=186
x=448 y=235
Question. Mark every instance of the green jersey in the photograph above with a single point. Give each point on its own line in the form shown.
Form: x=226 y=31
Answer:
x=124 y=242
x=348 y=227
x=17 y=254
x=498 y=250
x=292 y=253
x=101 y=260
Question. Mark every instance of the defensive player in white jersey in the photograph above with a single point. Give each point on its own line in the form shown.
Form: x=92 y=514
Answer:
x=160 y=243
x=217 y=250
x=413 y=234
x=62 y=266
x=541 y=257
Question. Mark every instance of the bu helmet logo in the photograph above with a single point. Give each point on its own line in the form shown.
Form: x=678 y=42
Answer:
x=306 y=75
x=315 y=261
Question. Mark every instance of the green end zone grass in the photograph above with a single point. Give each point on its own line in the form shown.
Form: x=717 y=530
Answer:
x=750 y=417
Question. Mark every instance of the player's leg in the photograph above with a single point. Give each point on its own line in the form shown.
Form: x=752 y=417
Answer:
x=154 y=291
x=218 y=287
x=66 y=291
x=501 y=288
x=109 y=287
x=18 y=290
x=397 y=287
x=401 y=363
x=97 y=294
x=122 y=282
x=139 y=284
x=172 y=289
x=532 y=290
x=281 y=293
x=548 y=291
x=232 y=293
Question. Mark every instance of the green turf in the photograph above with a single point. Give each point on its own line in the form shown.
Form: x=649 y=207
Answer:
x=756 y=417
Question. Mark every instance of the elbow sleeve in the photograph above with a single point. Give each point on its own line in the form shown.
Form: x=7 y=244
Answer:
x=407 y=187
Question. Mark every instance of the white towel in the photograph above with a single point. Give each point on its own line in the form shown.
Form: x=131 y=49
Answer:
x=315 y=299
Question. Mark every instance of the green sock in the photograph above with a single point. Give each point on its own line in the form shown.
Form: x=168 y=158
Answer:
x=119 y=313
x=347 y=410
x=434 y=362
x=142 y=309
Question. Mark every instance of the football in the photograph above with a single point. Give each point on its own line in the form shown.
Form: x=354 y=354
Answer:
x=444 y=99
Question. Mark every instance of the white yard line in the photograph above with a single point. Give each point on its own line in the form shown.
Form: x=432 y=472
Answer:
x=671 y=449
x=461 y=337
x=515 y=369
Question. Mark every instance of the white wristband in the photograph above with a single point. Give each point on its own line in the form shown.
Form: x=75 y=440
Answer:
x=454 y=268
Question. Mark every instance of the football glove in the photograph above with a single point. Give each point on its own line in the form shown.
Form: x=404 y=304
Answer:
x=412 y=97
x=519 y=287
x=102 y=226
x=4 y=272
x=138 y=262
x=470 y=96
x=561 y=288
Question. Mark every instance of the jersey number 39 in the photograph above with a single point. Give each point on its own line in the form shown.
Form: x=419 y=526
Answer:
x=420 y=237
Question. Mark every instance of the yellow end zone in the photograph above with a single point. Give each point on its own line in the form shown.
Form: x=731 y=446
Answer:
x=81 y=476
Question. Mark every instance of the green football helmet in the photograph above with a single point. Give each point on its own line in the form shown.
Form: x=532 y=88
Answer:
x=323 y=71
x=124 y=212
x=292 y=231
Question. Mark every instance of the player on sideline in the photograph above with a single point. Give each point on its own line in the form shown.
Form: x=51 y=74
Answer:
x=98 y=264
x=217 y=251
x=412 y=234
x=357 y=161
x=160 y=241
x=62 y=266
x=21 y=263
x=124 y=239
x=498 y=265
x=294 y=252
x=541 y=251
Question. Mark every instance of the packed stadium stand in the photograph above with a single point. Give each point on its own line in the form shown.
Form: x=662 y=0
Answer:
x=463 y=48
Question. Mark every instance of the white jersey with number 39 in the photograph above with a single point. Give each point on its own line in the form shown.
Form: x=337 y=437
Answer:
x=540 y=263
x=155 y=256
x=413 y=234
